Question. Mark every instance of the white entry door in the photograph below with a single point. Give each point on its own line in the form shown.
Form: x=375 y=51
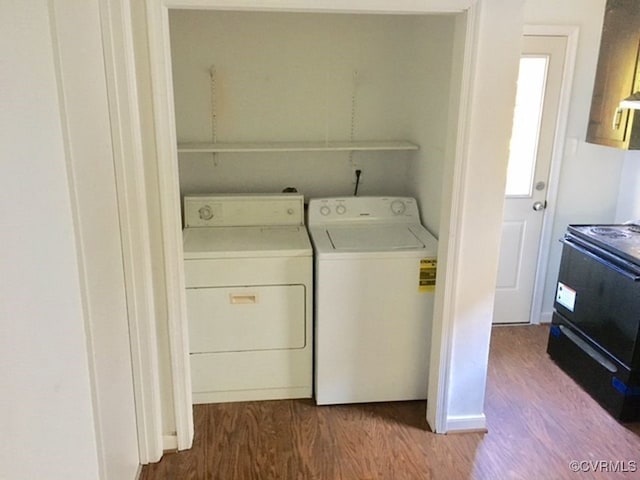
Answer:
x=531 y=149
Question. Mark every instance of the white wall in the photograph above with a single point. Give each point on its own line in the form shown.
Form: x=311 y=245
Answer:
x=590 y=175
x=290 y=77
x=431 y=125
x=628 y=207
x=46 y=414
x=67 y=404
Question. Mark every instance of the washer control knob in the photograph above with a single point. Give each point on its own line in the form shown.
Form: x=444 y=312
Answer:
x=398 y=207
x=289 y=211
x=206 y=213
x=324 y=210
x=341 y=209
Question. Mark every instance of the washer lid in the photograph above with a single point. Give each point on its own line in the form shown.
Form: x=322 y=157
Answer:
x=368 y=238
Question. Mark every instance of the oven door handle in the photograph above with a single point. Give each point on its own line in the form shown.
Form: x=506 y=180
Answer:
x=588 y=349
x=633 y=276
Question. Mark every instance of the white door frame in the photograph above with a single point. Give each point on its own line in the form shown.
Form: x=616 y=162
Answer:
x=571 y=32
x=134 y=227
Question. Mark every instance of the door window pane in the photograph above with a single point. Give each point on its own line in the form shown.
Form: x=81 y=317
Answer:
x=526 y=125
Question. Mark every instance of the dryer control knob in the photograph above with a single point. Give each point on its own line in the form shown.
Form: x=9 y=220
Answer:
x=398 y=207
x=341 y=209
x=206 y=213
x=324 y=210
x=289 y=211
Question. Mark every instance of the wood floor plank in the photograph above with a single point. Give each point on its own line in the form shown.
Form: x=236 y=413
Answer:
x=539 y=420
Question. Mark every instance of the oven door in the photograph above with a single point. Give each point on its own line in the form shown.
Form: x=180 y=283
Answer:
x=600 y=295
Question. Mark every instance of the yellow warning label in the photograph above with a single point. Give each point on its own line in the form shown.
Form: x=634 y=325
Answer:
x=427 y=281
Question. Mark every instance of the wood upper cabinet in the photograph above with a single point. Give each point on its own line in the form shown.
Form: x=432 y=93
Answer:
x=617 y=77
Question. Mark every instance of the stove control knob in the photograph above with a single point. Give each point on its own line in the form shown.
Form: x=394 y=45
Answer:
x=206 y=213
x=341 y=209
x=324 y=210
x=398 y=207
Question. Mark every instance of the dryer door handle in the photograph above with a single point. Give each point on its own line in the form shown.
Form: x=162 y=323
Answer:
x=243 y=298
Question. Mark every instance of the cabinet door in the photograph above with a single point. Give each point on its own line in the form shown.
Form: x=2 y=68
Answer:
x=615 y=76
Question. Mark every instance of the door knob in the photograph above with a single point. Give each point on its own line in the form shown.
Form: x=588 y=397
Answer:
x=540 y=206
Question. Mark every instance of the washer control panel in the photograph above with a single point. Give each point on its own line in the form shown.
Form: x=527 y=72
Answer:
x=353 y=209
x=243 y=210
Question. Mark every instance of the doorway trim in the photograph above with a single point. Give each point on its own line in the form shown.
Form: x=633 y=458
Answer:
x=571 y=32
x=117 y=44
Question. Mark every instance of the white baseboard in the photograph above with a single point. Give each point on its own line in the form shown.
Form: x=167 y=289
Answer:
x=466 y=423
x=170 y=442
x=545 y=317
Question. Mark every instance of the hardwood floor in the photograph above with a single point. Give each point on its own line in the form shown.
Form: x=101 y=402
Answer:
x=539 y=421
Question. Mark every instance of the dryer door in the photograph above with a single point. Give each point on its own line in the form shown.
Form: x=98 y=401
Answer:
x=234 y=319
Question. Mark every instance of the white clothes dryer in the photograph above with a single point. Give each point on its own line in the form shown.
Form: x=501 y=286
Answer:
x=248 y=273
x=375 y=267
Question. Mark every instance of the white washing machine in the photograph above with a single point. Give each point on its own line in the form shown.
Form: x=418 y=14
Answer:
x=375 y=267
x=248 y=271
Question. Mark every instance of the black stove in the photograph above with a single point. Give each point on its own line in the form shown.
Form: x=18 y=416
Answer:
x=621 y=240
x=595 y=331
